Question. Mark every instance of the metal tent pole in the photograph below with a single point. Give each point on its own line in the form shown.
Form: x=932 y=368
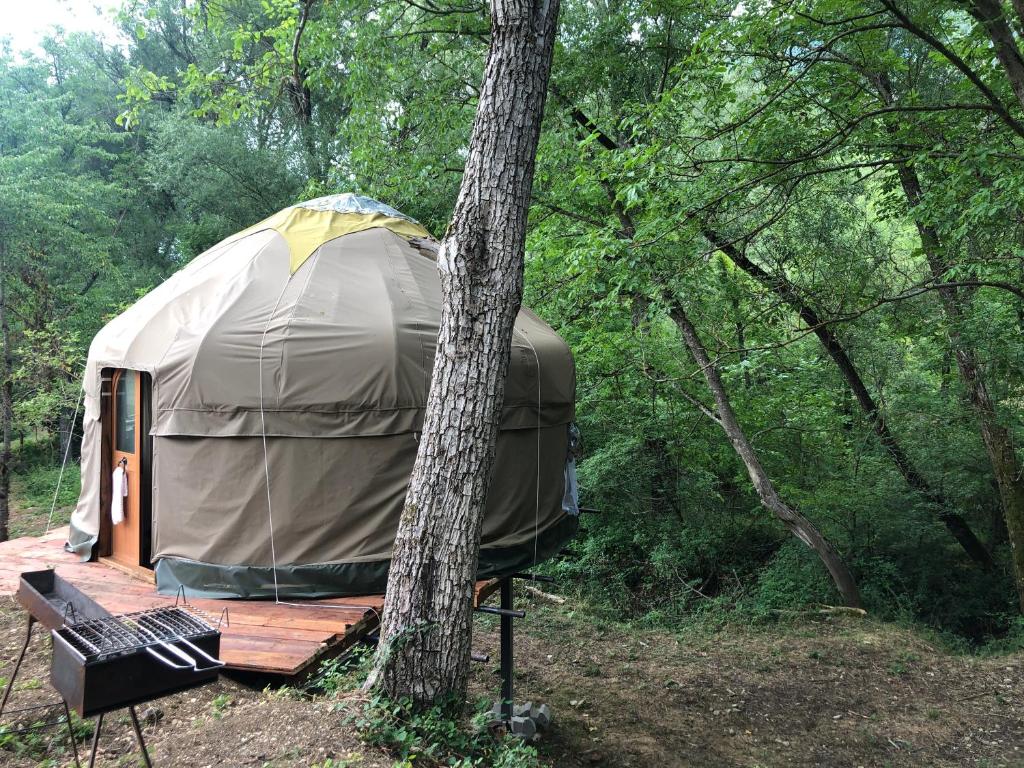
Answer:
x=507 y=613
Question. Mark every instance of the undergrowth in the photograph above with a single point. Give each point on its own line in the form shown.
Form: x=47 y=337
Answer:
x=433 y=737
x=34 y=476
x=692 y=575
x=40 y=738
x=416 y=737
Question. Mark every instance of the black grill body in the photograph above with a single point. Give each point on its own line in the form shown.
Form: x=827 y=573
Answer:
x=103 y=662
x=53 y=602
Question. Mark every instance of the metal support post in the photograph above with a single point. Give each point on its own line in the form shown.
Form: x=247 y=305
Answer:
x=506 y=649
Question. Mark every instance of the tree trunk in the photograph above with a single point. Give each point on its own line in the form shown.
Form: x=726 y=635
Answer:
x=1018 y=7
x=992 y=16
x=954 y=522
x=301 y=97
x=798 y=525
x=426 y=628
x=5 y=402
x=1008 y=472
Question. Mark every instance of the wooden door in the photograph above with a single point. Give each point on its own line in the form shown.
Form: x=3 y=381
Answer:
x=127 y=443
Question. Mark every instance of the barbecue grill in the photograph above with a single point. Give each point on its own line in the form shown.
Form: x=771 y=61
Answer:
x=118 y=661
x=102 y=662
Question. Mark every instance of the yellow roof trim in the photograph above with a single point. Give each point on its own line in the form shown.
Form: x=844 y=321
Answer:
x=306 y=229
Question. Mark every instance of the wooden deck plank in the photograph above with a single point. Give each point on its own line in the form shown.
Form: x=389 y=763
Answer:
x=254 y=653
x=261 y=635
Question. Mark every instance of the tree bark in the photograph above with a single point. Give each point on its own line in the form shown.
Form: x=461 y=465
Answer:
x=427 y=623
x=798 y=525
x=1008 y=473
x=954 y=522
x=1018 y=7
x=5 y=401
x=991 y=16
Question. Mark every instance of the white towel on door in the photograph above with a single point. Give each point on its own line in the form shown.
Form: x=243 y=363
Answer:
x=119 y=486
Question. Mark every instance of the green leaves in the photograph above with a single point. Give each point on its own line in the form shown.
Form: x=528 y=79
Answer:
x=781 y=126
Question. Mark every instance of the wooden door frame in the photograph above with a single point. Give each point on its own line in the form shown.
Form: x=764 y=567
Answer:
x=145 y=395
x=144 y=389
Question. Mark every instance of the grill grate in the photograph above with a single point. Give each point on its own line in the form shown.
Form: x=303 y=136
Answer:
x=171 y=623
x=107 y=637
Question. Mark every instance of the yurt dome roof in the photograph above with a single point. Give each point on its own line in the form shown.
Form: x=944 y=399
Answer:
x=319 y=321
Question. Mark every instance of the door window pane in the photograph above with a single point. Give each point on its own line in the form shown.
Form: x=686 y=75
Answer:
x=125 y=409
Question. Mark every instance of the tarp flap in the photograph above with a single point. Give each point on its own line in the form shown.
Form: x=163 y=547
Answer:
x=342 y=422
x=320 y=580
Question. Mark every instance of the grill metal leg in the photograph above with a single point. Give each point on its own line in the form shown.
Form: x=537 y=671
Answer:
x=10 y=687
x=95 y=740
x=138 y=737
x=506 y=650
x=17 y=665
x=71 y=733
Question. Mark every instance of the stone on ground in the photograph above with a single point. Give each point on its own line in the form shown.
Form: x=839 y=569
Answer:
x=523 y=727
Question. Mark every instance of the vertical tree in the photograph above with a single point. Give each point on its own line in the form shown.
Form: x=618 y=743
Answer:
x=427 y=623
x=5 y=401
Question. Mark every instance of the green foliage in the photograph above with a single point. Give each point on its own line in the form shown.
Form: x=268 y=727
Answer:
x=220 y=705
x=218 y=183
x=792 y=577
x=1011 y=642
x=342 y=673
x=36 y=486
x=783 y=128
x=432 y=737
x=36 y=470
x=41 y=739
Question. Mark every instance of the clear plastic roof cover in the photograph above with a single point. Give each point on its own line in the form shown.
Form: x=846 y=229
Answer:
x=351 y=203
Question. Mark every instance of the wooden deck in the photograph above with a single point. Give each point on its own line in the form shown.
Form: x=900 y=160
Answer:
x=260 y=636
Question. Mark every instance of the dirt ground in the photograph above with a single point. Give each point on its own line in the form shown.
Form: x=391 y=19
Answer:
x=836 y=693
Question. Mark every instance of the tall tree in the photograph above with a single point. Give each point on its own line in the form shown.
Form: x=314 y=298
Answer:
x=427 y=624
x=725 y=417
x=955 y=522
x=902 y=98
x=5 y=399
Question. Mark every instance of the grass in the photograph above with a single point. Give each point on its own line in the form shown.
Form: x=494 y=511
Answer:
x=34 y=476
x=41 y=737
x=219 y=705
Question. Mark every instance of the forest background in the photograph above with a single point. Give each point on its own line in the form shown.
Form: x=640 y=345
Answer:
x=825 y=198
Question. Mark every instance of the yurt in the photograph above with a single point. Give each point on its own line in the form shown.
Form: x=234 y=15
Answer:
x=250 y=424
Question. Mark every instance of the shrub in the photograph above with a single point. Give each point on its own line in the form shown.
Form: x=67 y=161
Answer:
x=433 y=737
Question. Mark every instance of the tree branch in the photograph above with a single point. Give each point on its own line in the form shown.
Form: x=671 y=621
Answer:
x=926 y=37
